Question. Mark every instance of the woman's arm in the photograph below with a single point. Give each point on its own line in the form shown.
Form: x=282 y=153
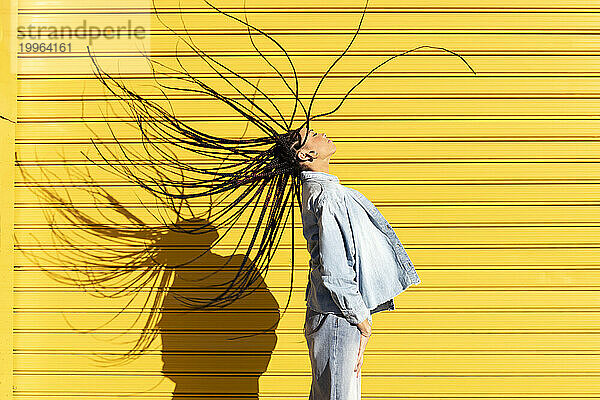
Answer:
x=337 y=262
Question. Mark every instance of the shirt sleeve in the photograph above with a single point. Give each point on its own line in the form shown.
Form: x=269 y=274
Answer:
x=337 y=261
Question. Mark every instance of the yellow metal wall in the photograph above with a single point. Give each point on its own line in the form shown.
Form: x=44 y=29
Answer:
x=491 y=182
x=8 y=109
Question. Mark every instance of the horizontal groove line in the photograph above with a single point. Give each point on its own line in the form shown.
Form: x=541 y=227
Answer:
x=142 y=75
x=123 y=118
x=20 y=269
x=26 y=269
x=267 y=75
x=168 y=395
x=496 y=118
x=285 y=268
x=84 y=99
x=220 y=31
x=304 y=9
x=570 y=182
x=582 y=203
x=378 y=181
x=300 y=287
x=372 y=139
x=392 y=140
x=567 y=160
x=41 y=33
x=72 y=372
x=307 y=53
x=370 y=162
x=302 y=310
x=301 y=246
x=151 y=353
x=75 y=77
x=436 y=225
x=347 y=8
x=431 y=331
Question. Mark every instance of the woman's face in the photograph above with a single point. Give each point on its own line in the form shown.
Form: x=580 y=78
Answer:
x=317 y=145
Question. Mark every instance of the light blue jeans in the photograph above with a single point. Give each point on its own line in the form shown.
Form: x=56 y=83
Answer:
x=333 y=345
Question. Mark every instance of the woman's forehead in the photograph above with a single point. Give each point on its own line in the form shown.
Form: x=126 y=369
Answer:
x=303 y=133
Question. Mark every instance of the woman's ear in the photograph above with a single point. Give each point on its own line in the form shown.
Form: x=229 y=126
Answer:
x=304 y=155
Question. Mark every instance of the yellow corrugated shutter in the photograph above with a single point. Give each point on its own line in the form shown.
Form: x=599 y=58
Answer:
x=490 y=181
x=8 y=110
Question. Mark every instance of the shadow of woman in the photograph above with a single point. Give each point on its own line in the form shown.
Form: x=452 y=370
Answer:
x=198 y=352
x=208 y=352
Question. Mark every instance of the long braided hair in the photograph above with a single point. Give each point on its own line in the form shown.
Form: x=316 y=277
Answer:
x=259 y=176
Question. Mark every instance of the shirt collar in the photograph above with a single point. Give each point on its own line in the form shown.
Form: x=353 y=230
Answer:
x=318 y=176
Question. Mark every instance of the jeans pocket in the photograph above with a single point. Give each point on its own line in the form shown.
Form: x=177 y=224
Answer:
x=313 y=322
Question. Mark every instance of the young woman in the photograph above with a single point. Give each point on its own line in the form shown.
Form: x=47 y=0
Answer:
x=357 y=267
x=357 y=263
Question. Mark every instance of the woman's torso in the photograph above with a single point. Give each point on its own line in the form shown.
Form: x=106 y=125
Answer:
x=383 y=269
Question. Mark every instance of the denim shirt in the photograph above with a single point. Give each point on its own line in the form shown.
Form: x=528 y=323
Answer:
x=357 y=264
